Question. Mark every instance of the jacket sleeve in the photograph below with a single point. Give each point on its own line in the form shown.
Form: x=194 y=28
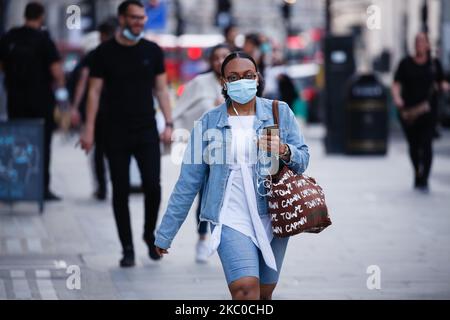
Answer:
x=193 y=171
x=294 y=139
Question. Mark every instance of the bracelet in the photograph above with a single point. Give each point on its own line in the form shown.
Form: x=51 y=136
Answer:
x=169 y=124
x=286 y=152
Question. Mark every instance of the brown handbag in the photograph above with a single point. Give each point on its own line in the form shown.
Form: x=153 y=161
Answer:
x=296 y=203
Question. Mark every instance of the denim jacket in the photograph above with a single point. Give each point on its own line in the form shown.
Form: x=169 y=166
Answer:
x=204 y=166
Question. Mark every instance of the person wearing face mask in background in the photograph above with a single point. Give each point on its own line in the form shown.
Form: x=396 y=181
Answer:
x=130 y=69
x=234 y=200
x=253 y=47
x=230 y=34
x=34 y=78
x=200 y=95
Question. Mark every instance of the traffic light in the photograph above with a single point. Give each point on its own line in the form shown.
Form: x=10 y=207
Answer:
x=223 y=14
x=286 y=10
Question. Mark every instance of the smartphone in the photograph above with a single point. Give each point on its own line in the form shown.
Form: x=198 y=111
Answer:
x=271 y=130
x=273 y=163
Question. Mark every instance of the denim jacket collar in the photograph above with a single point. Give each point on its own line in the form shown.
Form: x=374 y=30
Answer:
x=261 y=115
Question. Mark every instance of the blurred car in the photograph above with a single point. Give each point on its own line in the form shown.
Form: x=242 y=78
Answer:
x=185 y=55
x=305 y=47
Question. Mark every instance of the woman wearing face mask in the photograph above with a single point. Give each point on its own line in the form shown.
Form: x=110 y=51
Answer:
x=223 y=156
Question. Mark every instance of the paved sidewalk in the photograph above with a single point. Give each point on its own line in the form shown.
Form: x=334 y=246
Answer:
x=378 y=219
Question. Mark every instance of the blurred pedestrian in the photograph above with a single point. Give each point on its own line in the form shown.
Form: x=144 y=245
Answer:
x=107 y=31
x=241 y=228
x=416 y=82
x=34 y=78
x=287 y=90
x=130 y=69
x=252 y=47
x=230 y=34
x=200 y=95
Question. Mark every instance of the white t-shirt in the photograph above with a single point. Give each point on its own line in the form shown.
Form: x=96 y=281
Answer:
x=236 y=215
x=240 y=195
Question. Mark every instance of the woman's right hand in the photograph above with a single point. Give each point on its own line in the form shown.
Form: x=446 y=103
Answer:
x=161 y=251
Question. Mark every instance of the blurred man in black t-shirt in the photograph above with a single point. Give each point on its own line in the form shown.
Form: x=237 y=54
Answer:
x=33 y=69
x=130 y=69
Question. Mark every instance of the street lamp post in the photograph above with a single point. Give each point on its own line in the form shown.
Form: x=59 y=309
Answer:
x=424 y=16
x=3 y=7
x=287 y=12
x=328 y=17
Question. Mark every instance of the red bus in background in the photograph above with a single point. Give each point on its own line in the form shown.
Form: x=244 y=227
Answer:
x=305 y=47
x=185 y=55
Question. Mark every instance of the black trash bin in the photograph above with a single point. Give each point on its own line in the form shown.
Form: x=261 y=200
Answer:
x=366 y=120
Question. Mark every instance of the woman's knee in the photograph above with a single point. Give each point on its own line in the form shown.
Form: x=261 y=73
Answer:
x=246 y=288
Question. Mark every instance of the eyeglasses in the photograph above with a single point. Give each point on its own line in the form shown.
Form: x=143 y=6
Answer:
x=136 y=17
x=235 y=77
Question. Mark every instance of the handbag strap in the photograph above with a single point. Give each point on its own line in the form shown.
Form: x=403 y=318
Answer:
x=275 y=112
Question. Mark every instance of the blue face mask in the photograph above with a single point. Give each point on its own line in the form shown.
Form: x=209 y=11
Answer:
x=130 y=36
x=266 y=47
x=241 y=91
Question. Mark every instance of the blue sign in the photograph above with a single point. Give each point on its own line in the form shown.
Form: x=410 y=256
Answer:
x=157 y=15
x=21 y=161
